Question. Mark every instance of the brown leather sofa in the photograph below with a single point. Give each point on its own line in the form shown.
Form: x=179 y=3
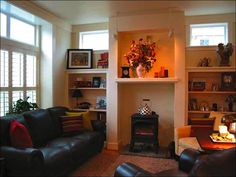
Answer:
x=191 y=163
x=52 y=153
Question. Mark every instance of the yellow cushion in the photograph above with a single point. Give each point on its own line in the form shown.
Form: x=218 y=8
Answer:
x=217 y=122
x=86 y=118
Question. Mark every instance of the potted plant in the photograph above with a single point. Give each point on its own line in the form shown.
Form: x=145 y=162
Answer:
x=230 y=100
x=22 y=105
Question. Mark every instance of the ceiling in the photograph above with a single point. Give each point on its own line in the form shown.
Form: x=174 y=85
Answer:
x=84 y=12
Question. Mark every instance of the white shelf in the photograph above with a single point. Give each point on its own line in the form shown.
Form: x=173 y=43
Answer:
x=86 y=71
x=88 y=88
x=90 y=109
x=147 y=80
x=211 y=69
x=211 y=92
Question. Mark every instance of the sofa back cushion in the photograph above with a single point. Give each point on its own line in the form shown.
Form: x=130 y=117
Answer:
x=40 y=126
x=19 y=135
x=56 y=113
x=221 y=163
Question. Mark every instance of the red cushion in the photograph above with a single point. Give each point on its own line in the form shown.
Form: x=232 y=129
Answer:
x=20 y=137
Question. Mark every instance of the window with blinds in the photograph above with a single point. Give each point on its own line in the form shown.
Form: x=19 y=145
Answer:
x=18 y=63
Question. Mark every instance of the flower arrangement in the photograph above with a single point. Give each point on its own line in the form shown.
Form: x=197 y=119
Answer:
x=141 y=53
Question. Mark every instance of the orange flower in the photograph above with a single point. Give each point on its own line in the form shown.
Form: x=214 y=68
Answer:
x=141 y=53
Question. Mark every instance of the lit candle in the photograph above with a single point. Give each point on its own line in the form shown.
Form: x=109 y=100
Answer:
x=223 y=130
x=162 y=71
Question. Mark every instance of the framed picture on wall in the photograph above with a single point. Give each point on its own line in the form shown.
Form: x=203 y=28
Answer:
x=96 y=82
x=79 y=58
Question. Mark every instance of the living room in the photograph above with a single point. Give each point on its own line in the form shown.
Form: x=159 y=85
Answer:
x=168 y=26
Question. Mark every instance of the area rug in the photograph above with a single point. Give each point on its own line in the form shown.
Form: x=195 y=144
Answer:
x=145 y=151
x=105 y=163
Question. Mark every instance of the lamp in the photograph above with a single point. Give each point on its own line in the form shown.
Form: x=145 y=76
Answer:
x=77 y=94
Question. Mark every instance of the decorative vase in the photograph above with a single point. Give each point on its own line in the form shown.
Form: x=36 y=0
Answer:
x=140 y=71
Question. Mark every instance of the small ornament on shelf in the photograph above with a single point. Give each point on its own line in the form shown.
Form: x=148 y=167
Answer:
x=224 y=53
x=125 y=72
x=204 y=62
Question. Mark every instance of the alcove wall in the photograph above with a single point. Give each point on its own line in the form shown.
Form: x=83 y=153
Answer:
x=168 y=99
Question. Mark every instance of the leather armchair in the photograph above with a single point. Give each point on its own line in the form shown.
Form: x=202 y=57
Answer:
x=191 y=163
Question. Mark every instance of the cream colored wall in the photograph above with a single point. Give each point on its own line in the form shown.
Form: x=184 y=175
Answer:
x=194 y=54
x=162 y=102
x=174 y=97
x=62 y=43
x=76 y=29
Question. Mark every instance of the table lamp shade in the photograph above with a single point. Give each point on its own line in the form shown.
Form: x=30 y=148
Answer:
x=77 y=93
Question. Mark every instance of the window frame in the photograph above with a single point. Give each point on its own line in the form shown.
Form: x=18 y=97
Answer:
x=82 y=33
x=8 y=35
x=223 y=24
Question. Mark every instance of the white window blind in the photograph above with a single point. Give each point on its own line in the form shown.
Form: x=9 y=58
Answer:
x=17 y=69
x=4 y=68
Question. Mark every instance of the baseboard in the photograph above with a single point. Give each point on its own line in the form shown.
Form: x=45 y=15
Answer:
x=112 y=146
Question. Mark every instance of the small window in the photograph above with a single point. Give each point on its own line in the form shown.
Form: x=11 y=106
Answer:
x=96 y=40
x=208 y=34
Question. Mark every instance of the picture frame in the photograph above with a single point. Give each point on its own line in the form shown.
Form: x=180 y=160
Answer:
x=198 y=85
x=96 y=82
x=101 y=102
x=79 y=58
x=228 y=81
x=193 y=104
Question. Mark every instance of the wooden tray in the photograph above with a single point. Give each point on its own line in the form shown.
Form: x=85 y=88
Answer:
x=218 y=139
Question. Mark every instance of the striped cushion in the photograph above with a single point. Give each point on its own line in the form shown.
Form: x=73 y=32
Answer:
x=71 y=125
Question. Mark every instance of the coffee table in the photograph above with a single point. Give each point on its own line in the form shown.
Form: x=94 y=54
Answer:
x=208 y=145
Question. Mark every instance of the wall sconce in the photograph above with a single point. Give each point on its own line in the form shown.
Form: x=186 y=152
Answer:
x=77 y=94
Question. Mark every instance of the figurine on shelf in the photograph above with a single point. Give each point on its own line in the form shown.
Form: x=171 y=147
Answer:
x=205 y=62
x=231 y=99
x=224 y=53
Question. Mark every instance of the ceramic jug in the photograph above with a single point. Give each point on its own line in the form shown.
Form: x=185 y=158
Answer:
x=145 y=107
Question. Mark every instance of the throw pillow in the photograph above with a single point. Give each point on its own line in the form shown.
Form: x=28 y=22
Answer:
x=217 y=122
x=86 y=118
x=19 y=135
x=71 y=125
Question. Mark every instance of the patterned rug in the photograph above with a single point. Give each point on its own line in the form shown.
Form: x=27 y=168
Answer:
x=146 y=151
x=105 y=163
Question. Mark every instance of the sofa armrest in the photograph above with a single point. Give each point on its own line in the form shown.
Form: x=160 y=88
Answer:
x=130 y=170
x=187 y=159
x=20 y=160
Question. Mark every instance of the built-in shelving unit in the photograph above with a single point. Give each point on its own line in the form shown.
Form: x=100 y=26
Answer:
x=213 y=92
x=90 y=93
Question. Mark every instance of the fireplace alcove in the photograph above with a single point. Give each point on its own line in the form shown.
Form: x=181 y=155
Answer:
x=164 y=93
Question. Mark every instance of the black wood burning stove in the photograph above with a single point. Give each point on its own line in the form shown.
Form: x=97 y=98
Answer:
x=144 y=129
